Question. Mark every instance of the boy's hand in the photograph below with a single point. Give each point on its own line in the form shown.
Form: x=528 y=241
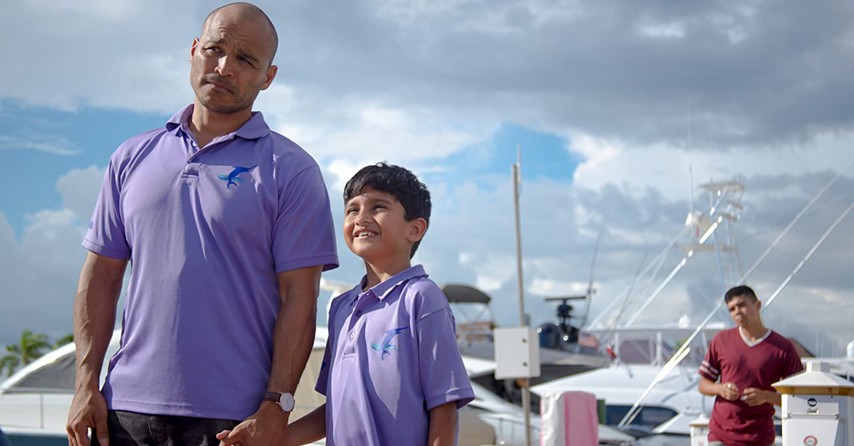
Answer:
x=265 y=427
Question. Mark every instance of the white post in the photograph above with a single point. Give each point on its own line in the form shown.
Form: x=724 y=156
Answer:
x=526 y=393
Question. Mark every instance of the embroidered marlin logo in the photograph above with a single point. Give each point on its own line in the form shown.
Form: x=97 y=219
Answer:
x=386 y=346
x=233 y=178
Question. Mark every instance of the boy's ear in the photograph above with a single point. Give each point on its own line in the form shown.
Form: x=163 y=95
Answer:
x=417 y=229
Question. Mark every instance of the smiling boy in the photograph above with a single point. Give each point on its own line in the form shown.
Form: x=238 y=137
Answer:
x=392 y=372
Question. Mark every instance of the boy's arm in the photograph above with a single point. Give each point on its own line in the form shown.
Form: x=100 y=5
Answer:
x=443 y=425
x=309 y=428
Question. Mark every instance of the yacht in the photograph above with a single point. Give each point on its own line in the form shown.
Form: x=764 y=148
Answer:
x=34 y=402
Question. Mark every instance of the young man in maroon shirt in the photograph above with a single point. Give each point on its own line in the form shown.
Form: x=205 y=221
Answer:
x=739 y=368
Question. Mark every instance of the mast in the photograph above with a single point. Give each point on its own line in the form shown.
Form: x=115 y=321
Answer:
x=526 y=391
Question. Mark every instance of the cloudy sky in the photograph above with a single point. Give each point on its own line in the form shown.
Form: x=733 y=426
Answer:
x=620 y=110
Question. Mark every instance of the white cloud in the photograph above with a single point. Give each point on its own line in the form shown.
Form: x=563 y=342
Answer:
x=83 y=53
x=39 y=273
x=670 y=169
x=370 y=131
x=662 y=30
x=39 y=269
x=79 y=190
x=58 y=146
x=413 y=82
x=526 y=61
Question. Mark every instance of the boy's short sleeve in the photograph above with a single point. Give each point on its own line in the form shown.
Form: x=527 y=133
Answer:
x=443 y=374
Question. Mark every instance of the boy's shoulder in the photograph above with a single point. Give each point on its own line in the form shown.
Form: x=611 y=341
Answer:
x=424 y=295
x=343 y=297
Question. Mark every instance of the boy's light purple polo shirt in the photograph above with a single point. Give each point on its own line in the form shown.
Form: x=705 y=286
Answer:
x=391 y=356
x=206 y=231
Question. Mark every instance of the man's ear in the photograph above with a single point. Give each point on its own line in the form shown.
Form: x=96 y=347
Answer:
x=269 y=76
x=193 y=48
x=417 y=229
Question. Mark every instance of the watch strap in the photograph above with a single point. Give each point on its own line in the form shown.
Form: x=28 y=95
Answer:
x=278 y=397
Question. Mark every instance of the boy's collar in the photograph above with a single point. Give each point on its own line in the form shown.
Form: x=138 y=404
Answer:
x=384 y=288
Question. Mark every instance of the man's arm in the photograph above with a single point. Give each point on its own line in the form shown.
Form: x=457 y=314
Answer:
x=443 y=425
x=754 y=397
x=293 y=338
x=94 y=319
x=727 y=391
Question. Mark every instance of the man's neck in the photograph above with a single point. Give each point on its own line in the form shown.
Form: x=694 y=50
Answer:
x=207 y=125
x=753 y=331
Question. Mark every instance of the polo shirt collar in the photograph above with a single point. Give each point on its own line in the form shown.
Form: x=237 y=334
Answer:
x=385 y=288
x=254 y=128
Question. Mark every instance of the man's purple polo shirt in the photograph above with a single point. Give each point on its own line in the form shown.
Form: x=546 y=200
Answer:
x=206 y=231
x=393 y=356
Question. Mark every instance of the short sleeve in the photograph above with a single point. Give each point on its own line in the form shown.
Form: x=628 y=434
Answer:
x=106 y=232
x=304 y=233
x=323 y=376
x=443 y=374
x=322 y=385
x=711 y=367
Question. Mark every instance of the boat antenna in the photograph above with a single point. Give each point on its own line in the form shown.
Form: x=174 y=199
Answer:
x=690 y=185
x=809 y=254
x=690 y=146
x=590 y=289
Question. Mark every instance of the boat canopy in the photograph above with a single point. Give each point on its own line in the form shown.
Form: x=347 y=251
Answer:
x=465 y=294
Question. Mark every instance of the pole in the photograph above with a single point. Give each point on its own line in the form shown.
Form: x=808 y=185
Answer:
x=526 y=392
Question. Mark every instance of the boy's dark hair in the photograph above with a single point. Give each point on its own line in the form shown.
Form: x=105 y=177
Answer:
x=741 y=290
x=398 y=182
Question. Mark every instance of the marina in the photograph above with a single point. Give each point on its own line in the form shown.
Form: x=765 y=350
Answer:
x=645 y=376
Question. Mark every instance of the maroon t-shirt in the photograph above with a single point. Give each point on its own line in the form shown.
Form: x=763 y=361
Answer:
x=730 y=359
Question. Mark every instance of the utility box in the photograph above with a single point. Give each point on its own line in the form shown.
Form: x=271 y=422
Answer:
x=700 y=431
x=517 y=353
x=818 y=408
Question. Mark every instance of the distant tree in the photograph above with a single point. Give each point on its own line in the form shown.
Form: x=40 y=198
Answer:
x=8 y=364
x=67 y=339
x=31 y=347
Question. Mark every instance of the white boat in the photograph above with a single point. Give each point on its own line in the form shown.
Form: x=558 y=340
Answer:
x=34 y=402
x=667 y=408
x=655 y=397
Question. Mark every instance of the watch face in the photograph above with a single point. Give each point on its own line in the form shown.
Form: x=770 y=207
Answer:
x=286 y=401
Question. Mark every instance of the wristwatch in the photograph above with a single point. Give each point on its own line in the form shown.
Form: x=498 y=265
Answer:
x=285 y=400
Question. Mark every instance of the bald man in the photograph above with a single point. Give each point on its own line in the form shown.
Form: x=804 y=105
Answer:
x=227 y=227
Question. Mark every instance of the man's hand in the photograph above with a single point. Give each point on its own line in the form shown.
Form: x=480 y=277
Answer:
x=265 y=427
x=728 y=391
x=88 y=410
x=755 y=397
